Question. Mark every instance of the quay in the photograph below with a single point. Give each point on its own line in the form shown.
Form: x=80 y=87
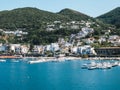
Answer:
x=10 y=56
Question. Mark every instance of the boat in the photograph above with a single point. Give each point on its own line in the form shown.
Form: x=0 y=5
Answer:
x=84 y=66
x=2 y=60
x=115 y=64
x=34 y=61
x=37 y=61
x=99 y=65
x=109 y=66
x=92 y=67
x=105 y=65
x=92 y=64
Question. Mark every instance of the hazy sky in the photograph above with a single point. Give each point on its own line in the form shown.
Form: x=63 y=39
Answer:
x=90 y=7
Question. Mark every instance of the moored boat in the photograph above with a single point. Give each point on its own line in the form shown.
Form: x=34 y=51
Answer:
x=36 y=61
x=92 y=67
x=2 y=60
x=84 y=66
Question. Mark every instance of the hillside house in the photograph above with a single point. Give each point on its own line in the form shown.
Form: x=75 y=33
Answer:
x=15 y=48
x=24 y=49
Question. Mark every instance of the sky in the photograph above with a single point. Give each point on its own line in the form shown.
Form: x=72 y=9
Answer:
x=92 y=8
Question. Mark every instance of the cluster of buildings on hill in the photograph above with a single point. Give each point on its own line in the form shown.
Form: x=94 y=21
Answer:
x=70 y=47
x=16 y=32
x=78 y=44
x=56 y=25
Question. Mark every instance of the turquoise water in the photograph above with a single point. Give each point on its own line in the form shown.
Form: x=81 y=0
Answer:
x=66 y=75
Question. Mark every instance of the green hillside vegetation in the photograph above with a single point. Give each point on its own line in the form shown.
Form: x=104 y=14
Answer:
x=112 y=17
x=33 y=18
x=34 y=21
x=74 y=15
x=27 y=18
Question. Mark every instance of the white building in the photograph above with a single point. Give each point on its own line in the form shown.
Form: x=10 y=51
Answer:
x=24 y=49
x=50 y=27
x=74 y=26
x=38 y=49
x=48 y=47
x=102 y=39
x=86 y=49
x=15 y=48
x=87 y=30
x=54 y=47
x=89 y=40
x=74 y=49
x=9 y=32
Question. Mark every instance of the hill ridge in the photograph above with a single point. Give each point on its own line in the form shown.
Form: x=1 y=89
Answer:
x=111 y=17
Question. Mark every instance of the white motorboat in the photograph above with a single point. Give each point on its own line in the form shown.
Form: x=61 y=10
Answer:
x=115 y=64
x=93 y=64
x=34 y=61
x=37 y=61
x=92 y=67
x=2 y=60
x=84 y=66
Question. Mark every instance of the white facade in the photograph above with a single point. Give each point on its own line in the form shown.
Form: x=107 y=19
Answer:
x=55 y=47
x=14 y=46
x=74 y=49
x=86 y=50
x=9 y=32
x=87 y=30
x=24 y=49
x=47 y=47
x=74 y=26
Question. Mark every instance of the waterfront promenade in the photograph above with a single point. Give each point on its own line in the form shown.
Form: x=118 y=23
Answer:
x=61 y=59
x=54 y=59
x=69 y=57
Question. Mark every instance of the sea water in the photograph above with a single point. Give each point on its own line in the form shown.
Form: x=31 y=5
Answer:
x=66 y=75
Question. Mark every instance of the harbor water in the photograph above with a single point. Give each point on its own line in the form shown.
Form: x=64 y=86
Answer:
x=67 y=75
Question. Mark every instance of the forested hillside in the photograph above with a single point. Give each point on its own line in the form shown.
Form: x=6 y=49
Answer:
x=36 y=22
